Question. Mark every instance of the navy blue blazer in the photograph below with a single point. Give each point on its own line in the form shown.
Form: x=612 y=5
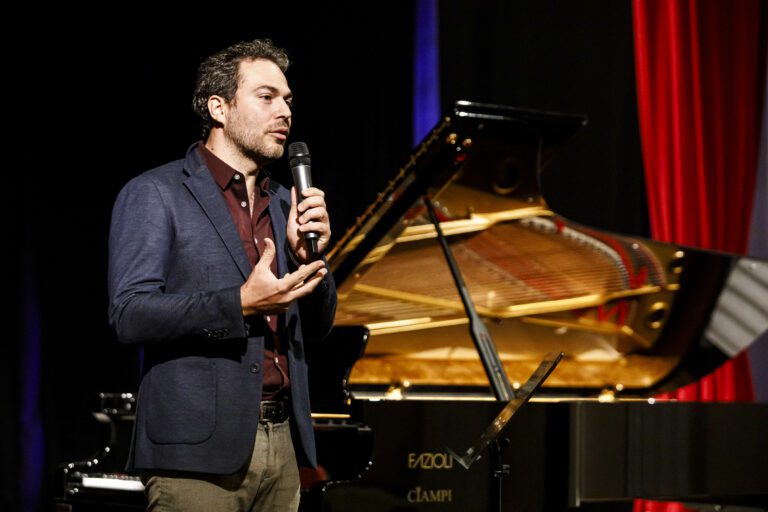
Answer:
x=176 y=264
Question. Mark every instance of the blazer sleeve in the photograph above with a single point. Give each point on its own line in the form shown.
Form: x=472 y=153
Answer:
x=318 y=309
x=140 y=309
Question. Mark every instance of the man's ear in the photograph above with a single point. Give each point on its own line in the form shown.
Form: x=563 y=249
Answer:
x=217 y=108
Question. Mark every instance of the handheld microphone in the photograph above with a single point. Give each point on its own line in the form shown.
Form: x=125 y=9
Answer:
x=301 y=168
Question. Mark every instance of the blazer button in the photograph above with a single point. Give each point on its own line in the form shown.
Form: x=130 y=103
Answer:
x=255 y=367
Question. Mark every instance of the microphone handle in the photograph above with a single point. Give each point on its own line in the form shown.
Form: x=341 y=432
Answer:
x=314 y=251
x=302 y=179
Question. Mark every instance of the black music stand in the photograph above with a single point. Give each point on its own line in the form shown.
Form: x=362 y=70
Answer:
x=490 y=436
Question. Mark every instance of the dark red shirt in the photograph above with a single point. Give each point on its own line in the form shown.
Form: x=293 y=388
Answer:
x=253 y=229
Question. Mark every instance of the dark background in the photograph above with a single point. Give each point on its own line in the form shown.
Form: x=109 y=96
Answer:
x=105 y=100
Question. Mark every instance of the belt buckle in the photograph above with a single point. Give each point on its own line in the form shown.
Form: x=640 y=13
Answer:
x=273 y=411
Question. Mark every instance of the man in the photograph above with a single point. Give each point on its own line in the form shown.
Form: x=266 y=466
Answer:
x=209 y=271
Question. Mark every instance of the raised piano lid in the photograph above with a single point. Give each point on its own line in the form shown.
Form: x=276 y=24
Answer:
x=630 y=314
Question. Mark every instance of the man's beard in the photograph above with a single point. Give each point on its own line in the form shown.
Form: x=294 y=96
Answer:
x=254 y=144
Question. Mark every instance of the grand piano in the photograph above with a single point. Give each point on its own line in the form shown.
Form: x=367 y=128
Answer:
x=403 y=381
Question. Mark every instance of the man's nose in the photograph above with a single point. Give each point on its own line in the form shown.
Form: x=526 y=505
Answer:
x=284 y=109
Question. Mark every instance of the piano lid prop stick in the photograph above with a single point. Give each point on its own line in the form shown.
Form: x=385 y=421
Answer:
x=502 y=389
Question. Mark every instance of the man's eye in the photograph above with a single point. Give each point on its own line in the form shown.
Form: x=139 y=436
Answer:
x=266 y=97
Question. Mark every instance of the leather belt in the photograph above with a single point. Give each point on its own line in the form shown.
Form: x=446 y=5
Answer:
x=274 y=411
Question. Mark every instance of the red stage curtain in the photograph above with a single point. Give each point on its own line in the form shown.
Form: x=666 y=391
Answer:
x=698 y=70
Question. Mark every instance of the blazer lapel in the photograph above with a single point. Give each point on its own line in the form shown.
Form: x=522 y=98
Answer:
x=201 y=184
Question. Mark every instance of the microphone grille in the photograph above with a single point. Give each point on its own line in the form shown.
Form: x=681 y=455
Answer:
x=298 y=154
x=297 y=149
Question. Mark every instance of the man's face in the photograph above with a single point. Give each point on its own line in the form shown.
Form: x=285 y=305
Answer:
x=259 y=116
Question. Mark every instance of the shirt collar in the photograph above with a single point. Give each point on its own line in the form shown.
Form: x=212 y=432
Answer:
x=223 y=174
